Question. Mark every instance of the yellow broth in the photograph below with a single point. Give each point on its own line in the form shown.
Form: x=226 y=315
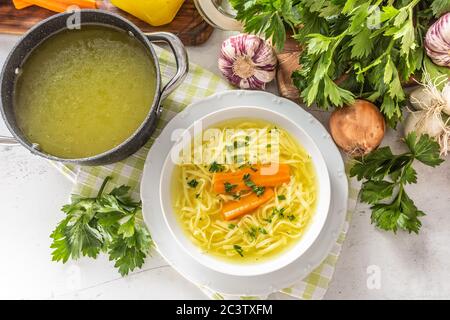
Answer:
x=83 y=92
x=268 y=231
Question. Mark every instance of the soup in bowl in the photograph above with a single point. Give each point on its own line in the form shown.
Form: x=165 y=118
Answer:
x=245 y=191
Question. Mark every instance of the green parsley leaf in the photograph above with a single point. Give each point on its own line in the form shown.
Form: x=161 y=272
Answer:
x=440 y=7
x=262 y=230
x=385 y=173
x=280 y=212
x=229 y=187
x=216 y=167
x=259 y=190
x=426 y=150
x=375 y=191
x=252 y=233
x=360 y=46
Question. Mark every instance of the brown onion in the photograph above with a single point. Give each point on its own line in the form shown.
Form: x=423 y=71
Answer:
x=359 y=128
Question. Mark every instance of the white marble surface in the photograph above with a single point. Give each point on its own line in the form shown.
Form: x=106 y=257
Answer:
x=32 y=191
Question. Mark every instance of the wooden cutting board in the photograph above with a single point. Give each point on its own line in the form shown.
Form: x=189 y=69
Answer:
x=188 y=24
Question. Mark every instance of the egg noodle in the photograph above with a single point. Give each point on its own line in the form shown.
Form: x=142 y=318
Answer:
x=273 y=226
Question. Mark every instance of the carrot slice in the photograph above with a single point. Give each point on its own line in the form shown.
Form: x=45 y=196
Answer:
x=233 y=209
x=237 y=178
x=20 y=4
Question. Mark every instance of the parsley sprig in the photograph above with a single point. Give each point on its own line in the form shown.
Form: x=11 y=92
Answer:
x=386 y=175
x=111 y=223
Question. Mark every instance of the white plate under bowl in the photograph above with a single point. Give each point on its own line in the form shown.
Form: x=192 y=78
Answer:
x=189 y=267
x=316 y=224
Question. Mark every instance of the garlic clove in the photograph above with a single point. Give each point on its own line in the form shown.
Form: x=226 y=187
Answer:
x=420 y=98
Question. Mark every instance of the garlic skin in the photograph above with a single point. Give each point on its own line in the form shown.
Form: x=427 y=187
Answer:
x=423 y=122
x=446 y=96
x=247 y=61
x=437 y=41
x=421 y=99
x=429 y=97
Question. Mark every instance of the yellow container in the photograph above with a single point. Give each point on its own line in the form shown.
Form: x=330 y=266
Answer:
x=154 y=12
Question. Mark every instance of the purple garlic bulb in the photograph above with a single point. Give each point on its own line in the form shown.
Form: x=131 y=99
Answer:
x=247 y=61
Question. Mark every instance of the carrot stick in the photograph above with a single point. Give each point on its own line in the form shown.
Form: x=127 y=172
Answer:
x=20 y=4
x=237 y=178
x=81 y=3
x=233 y=209
x=60 y=5
x=50 y=5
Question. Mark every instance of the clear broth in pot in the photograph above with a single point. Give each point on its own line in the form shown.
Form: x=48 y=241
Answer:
x=83 y=92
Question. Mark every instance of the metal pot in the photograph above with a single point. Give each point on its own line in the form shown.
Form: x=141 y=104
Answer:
x=42 y=31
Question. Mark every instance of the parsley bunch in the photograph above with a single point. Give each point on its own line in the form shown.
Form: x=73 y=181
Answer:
x=353 y=49
x=110 y=223
x=369 y=47
x=386 y=175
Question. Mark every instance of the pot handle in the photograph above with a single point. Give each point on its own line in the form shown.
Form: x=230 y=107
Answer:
x=216 y=16
x=181 y=58
x=8 y=141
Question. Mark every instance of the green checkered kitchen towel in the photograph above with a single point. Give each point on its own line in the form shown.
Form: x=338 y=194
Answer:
x=199 y=83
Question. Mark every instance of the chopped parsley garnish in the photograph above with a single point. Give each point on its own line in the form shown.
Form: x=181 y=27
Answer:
x=237 y=196
x=216 y=167
x=291 y=217
x=231 y=226
x=276 y=212
x=229 y=187
x=252 y=233
x=269 y=219
x=281 y=197
x=262 y=230
x=197 y=196
x=259 y=190
x=239 y=250
x=193 y=183
x=279 y=212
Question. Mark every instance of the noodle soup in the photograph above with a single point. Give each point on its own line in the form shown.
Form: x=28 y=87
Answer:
x=252 y=195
